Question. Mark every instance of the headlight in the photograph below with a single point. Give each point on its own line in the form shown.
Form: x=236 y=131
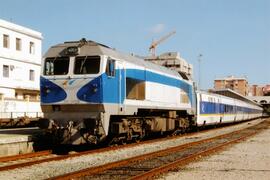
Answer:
x=94 y=88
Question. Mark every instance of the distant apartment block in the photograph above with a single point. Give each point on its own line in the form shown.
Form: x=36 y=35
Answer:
x=255 y=90
x=259 y=90
x=239 y=85
x=266 y=90
x=20 y=60
x=173 y=61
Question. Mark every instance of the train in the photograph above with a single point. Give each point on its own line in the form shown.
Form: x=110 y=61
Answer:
x=91 y=93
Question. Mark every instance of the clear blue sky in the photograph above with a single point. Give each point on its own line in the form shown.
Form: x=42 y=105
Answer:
x=232 y=35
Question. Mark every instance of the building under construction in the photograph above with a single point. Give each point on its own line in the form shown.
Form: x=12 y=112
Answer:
x=171 y=60
x=174 y=61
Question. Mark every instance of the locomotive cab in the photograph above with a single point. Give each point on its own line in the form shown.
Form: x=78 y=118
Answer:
x=71 y=82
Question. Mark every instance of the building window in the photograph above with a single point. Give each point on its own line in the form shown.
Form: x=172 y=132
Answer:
x=31 y=75
x=6 y=41
x=32 y=48
x=18 y=44
x=5 y=71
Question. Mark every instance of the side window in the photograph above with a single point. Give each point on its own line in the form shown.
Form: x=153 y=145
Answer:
x=31 y=75
x=110 y=67
x=31 y=47
x=18 y=44
x=5 y=41
x=5 y=71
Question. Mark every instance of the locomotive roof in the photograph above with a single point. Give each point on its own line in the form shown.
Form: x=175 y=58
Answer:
x=91 y=48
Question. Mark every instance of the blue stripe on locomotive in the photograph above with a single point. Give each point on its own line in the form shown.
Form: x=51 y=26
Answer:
x=104 y=89
x=218 y=108
x=158 y=78
x=107 y=89
x=50 y=92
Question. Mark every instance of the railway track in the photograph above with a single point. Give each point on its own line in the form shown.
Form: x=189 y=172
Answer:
x=18 y=162
x=152 y=164
x=24 y=160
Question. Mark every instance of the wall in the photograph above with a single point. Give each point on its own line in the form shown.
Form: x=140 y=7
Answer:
x=19 y=108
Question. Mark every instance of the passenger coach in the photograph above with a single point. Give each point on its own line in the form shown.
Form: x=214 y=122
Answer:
x=225 y=106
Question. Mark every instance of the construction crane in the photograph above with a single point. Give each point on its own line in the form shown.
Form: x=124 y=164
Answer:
x=154 y=44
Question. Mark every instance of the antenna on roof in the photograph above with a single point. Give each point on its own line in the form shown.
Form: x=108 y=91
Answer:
x=83 y=42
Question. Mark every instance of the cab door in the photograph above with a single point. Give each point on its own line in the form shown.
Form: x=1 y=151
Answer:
x=114 y=83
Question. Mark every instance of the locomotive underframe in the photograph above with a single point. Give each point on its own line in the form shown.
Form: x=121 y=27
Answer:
x=131 y=128
x=95 y=123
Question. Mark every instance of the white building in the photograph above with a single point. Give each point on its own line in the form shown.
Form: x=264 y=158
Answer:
x=174 y=61
x=20 y=62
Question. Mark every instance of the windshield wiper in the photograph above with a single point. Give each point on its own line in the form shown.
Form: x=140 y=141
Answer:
x=82 y=65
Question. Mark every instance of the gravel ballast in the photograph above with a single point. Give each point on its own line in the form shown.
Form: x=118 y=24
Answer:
x=249 y=159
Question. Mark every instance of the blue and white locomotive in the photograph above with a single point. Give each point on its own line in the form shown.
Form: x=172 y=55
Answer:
x=90 y=92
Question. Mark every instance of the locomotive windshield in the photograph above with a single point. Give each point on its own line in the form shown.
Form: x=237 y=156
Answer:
x=87 y=65
x=56 y=66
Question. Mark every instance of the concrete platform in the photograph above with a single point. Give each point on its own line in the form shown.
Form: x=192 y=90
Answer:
x=17 y=141
x=249 y=159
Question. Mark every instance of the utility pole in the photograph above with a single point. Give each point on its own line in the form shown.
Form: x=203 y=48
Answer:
x=199 y=74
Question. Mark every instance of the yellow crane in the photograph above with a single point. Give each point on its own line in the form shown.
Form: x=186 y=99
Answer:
x=154 y=44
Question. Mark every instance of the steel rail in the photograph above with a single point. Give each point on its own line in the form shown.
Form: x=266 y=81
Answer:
x=25 y=156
